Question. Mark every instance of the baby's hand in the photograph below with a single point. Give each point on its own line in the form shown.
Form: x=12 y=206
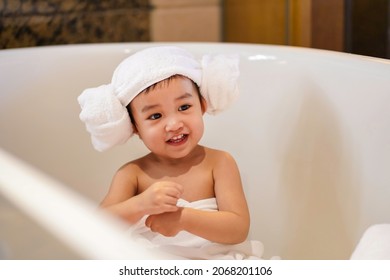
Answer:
x=167 y=224
x=161 y=197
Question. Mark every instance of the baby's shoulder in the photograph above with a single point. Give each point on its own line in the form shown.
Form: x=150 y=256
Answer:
x=222 y=162
x=218 y=155
x=132 y=168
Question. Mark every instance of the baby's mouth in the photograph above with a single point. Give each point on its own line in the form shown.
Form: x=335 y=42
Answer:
x=177 y=139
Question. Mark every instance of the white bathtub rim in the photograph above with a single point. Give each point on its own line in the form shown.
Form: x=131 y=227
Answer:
x=125 y=47
x=93 y=234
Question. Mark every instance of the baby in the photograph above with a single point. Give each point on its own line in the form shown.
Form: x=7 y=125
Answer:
x=182 y=197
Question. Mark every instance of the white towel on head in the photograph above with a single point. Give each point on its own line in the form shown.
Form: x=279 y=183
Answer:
x=103 y=109
x=102 y=124
x=219 y=95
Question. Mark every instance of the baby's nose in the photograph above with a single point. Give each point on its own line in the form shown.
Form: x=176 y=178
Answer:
x=174 y=124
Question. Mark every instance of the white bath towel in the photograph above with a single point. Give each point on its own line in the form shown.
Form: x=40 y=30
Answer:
x=189 y=246
x=103 y=108
x=374 y=244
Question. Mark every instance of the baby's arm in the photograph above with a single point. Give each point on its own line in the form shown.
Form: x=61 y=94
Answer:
x=124 y=201
x=229 y=225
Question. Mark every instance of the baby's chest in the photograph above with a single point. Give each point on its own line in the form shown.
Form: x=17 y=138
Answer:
x=197 y=184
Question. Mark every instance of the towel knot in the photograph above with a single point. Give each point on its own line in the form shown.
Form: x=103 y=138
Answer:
x=106 y=119
x=219 y=81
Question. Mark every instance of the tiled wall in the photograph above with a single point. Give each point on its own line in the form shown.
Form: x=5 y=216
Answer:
x=25 y=23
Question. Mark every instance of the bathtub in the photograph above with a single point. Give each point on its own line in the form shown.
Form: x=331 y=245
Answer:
x=310 y=133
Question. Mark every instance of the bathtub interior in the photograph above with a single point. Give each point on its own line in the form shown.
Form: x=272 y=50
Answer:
x=310 y=134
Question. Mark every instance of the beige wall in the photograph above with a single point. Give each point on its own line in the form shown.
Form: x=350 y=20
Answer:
x=186 y=20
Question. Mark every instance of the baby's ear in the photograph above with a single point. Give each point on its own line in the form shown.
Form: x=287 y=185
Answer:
x=203 y=105
x=135 y=130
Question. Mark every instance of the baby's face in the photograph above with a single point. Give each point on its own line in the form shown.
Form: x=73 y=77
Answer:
x=169 y=118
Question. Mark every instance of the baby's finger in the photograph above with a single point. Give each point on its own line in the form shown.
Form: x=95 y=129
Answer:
x=175 y=191
x=180 y=189
x=148 y=221
x=170 y=208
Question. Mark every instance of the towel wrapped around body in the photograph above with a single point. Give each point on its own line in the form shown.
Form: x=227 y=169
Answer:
x=189 y=246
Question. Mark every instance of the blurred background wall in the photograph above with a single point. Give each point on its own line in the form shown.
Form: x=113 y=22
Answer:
x=357 y=26
x=25 y=23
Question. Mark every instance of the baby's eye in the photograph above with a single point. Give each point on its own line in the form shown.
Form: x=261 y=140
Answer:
x=154 y=116
x=184 y=107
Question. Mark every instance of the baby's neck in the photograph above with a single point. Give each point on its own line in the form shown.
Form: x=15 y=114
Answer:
x=192 y=159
